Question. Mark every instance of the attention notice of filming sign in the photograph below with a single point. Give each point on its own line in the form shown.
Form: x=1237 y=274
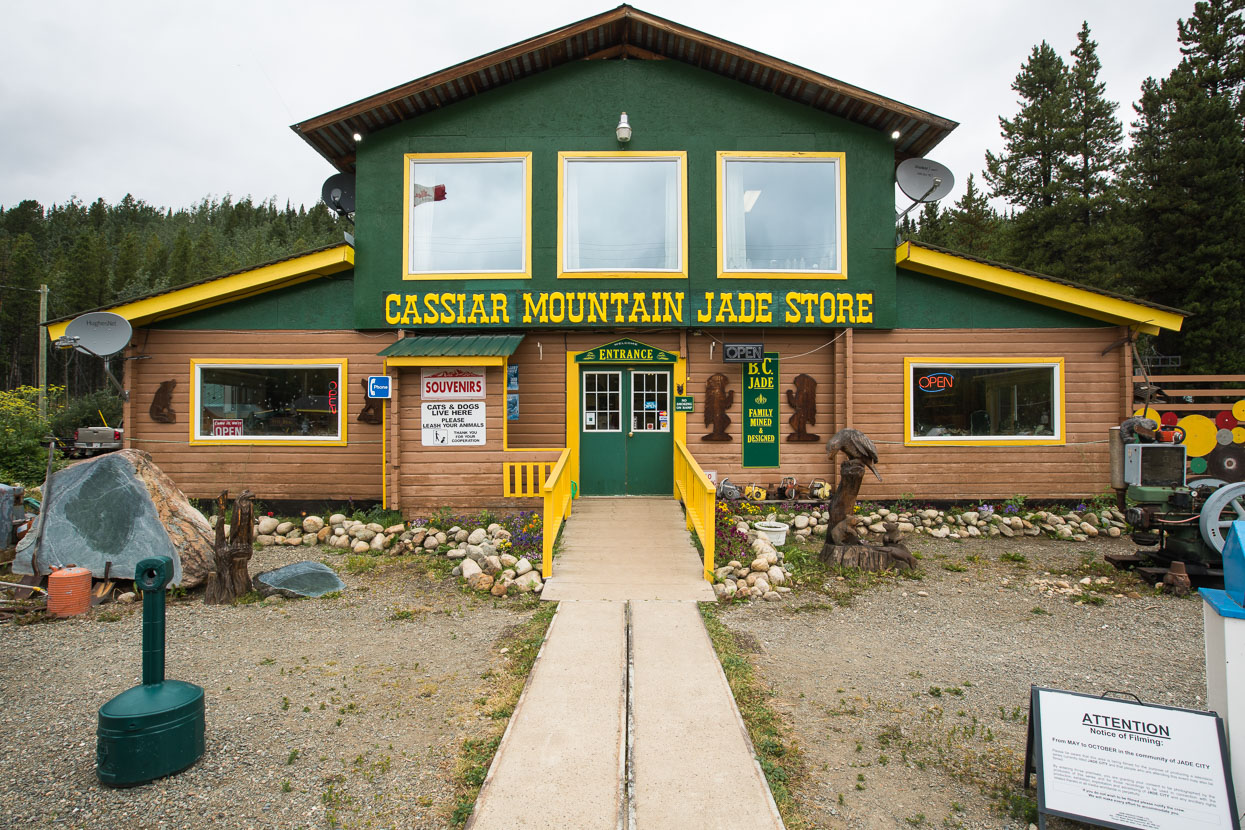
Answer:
x=1120 y=764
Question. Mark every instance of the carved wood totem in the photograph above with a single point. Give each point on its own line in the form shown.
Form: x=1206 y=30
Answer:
x=803 y=400
x=718 y=399
x=162 y=403
x=370 y=414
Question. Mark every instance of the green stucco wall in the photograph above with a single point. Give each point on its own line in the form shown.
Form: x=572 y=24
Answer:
x=926 y=302
x=671 y=106
x=321 y=303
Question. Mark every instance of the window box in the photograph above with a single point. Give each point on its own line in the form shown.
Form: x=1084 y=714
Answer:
x=467 y=215
x=276 y=402
x=622 y=214
x=782 y=215
x=983 y=401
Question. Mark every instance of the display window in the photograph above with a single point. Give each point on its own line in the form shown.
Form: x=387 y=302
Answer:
x=467 y=215
x=622 y=215
x=782 y=215
x=984 y=401
x=278 y=402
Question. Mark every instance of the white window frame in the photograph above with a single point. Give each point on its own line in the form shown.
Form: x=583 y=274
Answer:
x=838 y=160
x=196 y=385
x=627 y=157
x=934 y=364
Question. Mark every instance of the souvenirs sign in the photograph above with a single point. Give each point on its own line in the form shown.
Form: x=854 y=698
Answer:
x=1121 y=764
x=452 y=423
x=449 y=384
x=760 y=412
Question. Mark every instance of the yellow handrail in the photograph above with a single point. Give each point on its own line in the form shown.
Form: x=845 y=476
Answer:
x=523 y=479
x=557 y=494
x=698 y=495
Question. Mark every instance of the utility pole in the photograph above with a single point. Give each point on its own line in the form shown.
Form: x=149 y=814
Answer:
x=43 y=352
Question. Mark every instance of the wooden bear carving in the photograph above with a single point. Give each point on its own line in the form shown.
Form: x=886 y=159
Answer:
x=370 y=414
x=718 y=399
x=162 y=404
x=803 y=400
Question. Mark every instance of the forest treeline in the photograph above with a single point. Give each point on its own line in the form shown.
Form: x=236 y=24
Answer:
x=1160 y=217
x=97 y=254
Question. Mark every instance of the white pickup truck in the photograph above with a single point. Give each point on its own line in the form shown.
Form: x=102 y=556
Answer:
x=89 y=441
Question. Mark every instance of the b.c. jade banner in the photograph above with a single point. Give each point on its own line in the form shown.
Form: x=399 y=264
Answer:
x=760 y=412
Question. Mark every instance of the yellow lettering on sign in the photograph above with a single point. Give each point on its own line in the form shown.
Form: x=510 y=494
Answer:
x=792 y=314
x=477 y=307
x=639 y=312
x=462 y=298
x=501 y=314
x=571 y=314
x=846 y=312
x=726 y=308
x=826 y=317
x=392 y=303
x=410 y=314
x=618 y=298
x=538 y=309
x=667 y=300
x=598 y=308
x=430 y=303
x=764 y=315
x=706 y=315
x=557 y=307
x=864 y=314
x=747 y=307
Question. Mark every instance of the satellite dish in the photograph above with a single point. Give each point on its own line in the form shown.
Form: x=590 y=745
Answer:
x=923 y=180
x=338 y=193
x=100 y=333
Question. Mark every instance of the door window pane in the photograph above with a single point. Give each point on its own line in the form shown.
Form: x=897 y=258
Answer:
x=782 y=215
x=650 y=401
x=622 y=214
x=467 y=216
x=602 y=401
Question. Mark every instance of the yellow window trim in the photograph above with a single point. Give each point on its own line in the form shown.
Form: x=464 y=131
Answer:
x=525 y=274
x=723 y=156
x=681 y=271
x=254 y=441
x=229 y=288
x=1059 y=439
x=1116 y=310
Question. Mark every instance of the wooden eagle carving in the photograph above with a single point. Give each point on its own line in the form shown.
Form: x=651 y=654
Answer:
x=718 y=399
x=855 y=445
x=803 y=400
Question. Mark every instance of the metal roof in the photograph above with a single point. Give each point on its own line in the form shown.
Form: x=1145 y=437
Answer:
x=624 y=32
x=454 y=345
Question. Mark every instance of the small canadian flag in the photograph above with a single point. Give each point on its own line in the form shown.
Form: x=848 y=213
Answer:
x=423 y=193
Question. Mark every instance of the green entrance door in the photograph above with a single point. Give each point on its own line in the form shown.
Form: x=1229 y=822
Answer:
x=626 y=446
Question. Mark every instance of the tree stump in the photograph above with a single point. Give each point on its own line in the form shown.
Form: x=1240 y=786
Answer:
x=231 y=578
x=843 y=546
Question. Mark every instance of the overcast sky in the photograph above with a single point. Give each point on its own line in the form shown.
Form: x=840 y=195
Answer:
x=175 y=101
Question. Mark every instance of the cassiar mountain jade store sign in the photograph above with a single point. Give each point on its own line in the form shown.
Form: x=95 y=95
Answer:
x=451 y=384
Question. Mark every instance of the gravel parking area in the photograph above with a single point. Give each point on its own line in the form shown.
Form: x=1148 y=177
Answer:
x=341 y=711
x=909 y=698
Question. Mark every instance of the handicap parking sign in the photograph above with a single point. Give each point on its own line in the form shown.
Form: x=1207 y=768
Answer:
x=378 y=386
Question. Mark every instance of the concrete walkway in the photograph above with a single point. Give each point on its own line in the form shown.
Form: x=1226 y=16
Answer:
x=627 y=720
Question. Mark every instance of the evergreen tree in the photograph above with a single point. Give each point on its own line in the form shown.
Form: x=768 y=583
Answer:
x=972 y=226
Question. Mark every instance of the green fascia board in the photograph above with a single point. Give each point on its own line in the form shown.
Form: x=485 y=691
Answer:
x=467 y=345
x=318 y=304
x=925 y=302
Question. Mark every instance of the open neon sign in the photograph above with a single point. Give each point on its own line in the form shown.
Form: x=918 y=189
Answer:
x=936 y=382
x=333 y=397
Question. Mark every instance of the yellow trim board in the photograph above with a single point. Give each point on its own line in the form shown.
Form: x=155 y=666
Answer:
x=623 y=155
x=719 y=211
x=460 y=360
x=1034 y=289
x=276 y=441
x=228 y=288
x=466 y=158
x=1060 y=438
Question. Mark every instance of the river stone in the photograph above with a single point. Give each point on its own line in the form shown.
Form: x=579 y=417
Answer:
x=339 y=542
x=302 y=579
x=377 y=543
x=508 y=561
x=266 y=526
x=284 y=528
x=800 y=522
x=337 y=518
x=265 y=541
x=430 y=543
x=324 y=534
x=119 y=508
x=529 y=581
x=477 y=536
x=455 y=553
x=312 y=524
x=470 y=568
x=522 y=566
x=491 y=565
x=480 y=581
x=776 y=576
x=475 y=552
x=499 y=589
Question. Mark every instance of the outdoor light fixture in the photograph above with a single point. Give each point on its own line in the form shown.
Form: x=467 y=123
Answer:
x=623 y=130
x=895 y=135
x=358 y=137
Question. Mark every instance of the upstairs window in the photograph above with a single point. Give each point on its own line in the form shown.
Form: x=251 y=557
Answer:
x=467 y=215
x=622 y=214
x=781 y=215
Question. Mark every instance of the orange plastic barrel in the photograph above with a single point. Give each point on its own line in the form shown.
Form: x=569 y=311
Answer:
x=69 y=591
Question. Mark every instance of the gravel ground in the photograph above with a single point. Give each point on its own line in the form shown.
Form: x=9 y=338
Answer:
x=912 y=710
x=317 y=709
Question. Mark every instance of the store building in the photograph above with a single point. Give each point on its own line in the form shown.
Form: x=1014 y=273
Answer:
x=534 y=285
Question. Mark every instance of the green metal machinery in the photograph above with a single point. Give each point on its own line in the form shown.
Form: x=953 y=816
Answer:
x=155 y=729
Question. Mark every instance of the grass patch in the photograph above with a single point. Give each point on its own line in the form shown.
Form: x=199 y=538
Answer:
x=1012 y=556
x=361 y=564
x=475 y=755
x=954 y=567
x=781 y=760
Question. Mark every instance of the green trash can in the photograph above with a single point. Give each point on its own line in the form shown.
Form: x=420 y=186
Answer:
x=155 y=729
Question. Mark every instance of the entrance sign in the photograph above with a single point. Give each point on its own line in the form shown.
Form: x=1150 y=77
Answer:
x=451 y=384
x=452 y=423
x=760 y=404
x=378 y=387
x=1121 y=764
x=626 y=351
